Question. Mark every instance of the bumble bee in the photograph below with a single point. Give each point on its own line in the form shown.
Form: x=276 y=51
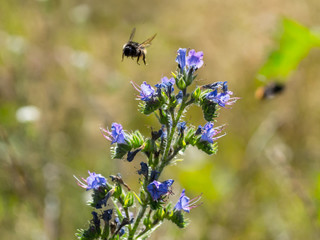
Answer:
x=136 y=50
x=269 y=91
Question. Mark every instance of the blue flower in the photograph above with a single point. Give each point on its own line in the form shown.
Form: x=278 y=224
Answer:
x=116 y=135
x=158 y=189
x=181 y=57
x=209 y=133
x=185 y=204
x=94 y=181
x=147 y=93
x=194 y=59
x=222 y=98
x=167 y=84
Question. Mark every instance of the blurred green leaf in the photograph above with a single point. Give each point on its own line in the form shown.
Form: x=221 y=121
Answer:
x=295 y=42
x=199 y=180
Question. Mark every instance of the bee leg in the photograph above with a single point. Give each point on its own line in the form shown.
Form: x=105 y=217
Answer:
x=144 y=58
x=122 y=57
x=138 y=59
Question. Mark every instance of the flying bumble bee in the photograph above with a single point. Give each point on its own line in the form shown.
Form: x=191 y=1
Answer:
x=269 y=91
x=136 y=50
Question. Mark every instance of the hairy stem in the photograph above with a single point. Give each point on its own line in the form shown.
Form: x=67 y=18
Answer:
x=147 y=232
x=165 y=159
x=137 y=222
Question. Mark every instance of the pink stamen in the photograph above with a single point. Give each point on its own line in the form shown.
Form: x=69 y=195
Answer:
x=79 y=183
x=102 y=130
x=219 y=136
x=194 y=201
x=137 y=87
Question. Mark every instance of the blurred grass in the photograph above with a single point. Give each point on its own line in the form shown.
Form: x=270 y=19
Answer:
x=64 y=57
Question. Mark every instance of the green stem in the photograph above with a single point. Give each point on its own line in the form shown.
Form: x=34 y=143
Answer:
x=175 y=121
x=164 y=161
x=137 y=222
x=128 y=216
x=117 y=209
x=147 y=232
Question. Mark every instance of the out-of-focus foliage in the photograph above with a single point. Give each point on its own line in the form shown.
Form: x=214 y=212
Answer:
x=295 y=42
x=64 y=59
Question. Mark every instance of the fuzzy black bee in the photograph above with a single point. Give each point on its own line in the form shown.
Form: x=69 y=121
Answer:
x=136 y=50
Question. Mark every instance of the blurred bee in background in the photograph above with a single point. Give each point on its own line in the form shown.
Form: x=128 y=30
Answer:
x=136 y=50
x=269 y=91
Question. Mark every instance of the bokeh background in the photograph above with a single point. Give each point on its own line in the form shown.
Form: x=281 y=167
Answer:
x=61 y=77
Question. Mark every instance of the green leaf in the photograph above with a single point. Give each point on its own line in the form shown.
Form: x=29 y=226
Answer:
x=139 y=200
x=136 y=139
x=119 y=151
x=178 y=218
x=295 y=42
x=207 y=147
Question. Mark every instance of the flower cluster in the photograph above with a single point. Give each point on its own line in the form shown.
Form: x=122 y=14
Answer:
x=192 y=61
x=112 y=217
x=222 y=98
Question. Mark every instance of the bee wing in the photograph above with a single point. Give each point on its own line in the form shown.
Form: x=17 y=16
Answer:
x=147 y=42
x=132 y=34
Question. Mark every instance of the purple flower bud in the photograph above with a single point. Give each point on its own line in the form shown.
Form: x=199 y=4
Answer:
x=199 y=130
x=167 y=84
x=154 y=175
x=116 y=135
x=107 y=215
x=212 y=86
x=95 y=219
x=225 y=87
x=181 y=58
x=194 y=59
x=121 y=232
x=104 y=201
x=184 y=203
x=131 y=155
x=156 y=134
x=179 y=97
x=144 y=169
x=158 y=189
x=181 y=126
x=94 y=181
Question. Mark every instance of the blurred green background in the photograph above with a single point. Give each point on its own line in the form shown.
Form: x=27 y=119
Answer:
x=61 y=77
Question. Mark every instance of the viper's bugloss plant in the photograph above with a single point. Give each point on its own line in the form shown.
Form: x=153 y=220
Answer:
x=121 y=213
